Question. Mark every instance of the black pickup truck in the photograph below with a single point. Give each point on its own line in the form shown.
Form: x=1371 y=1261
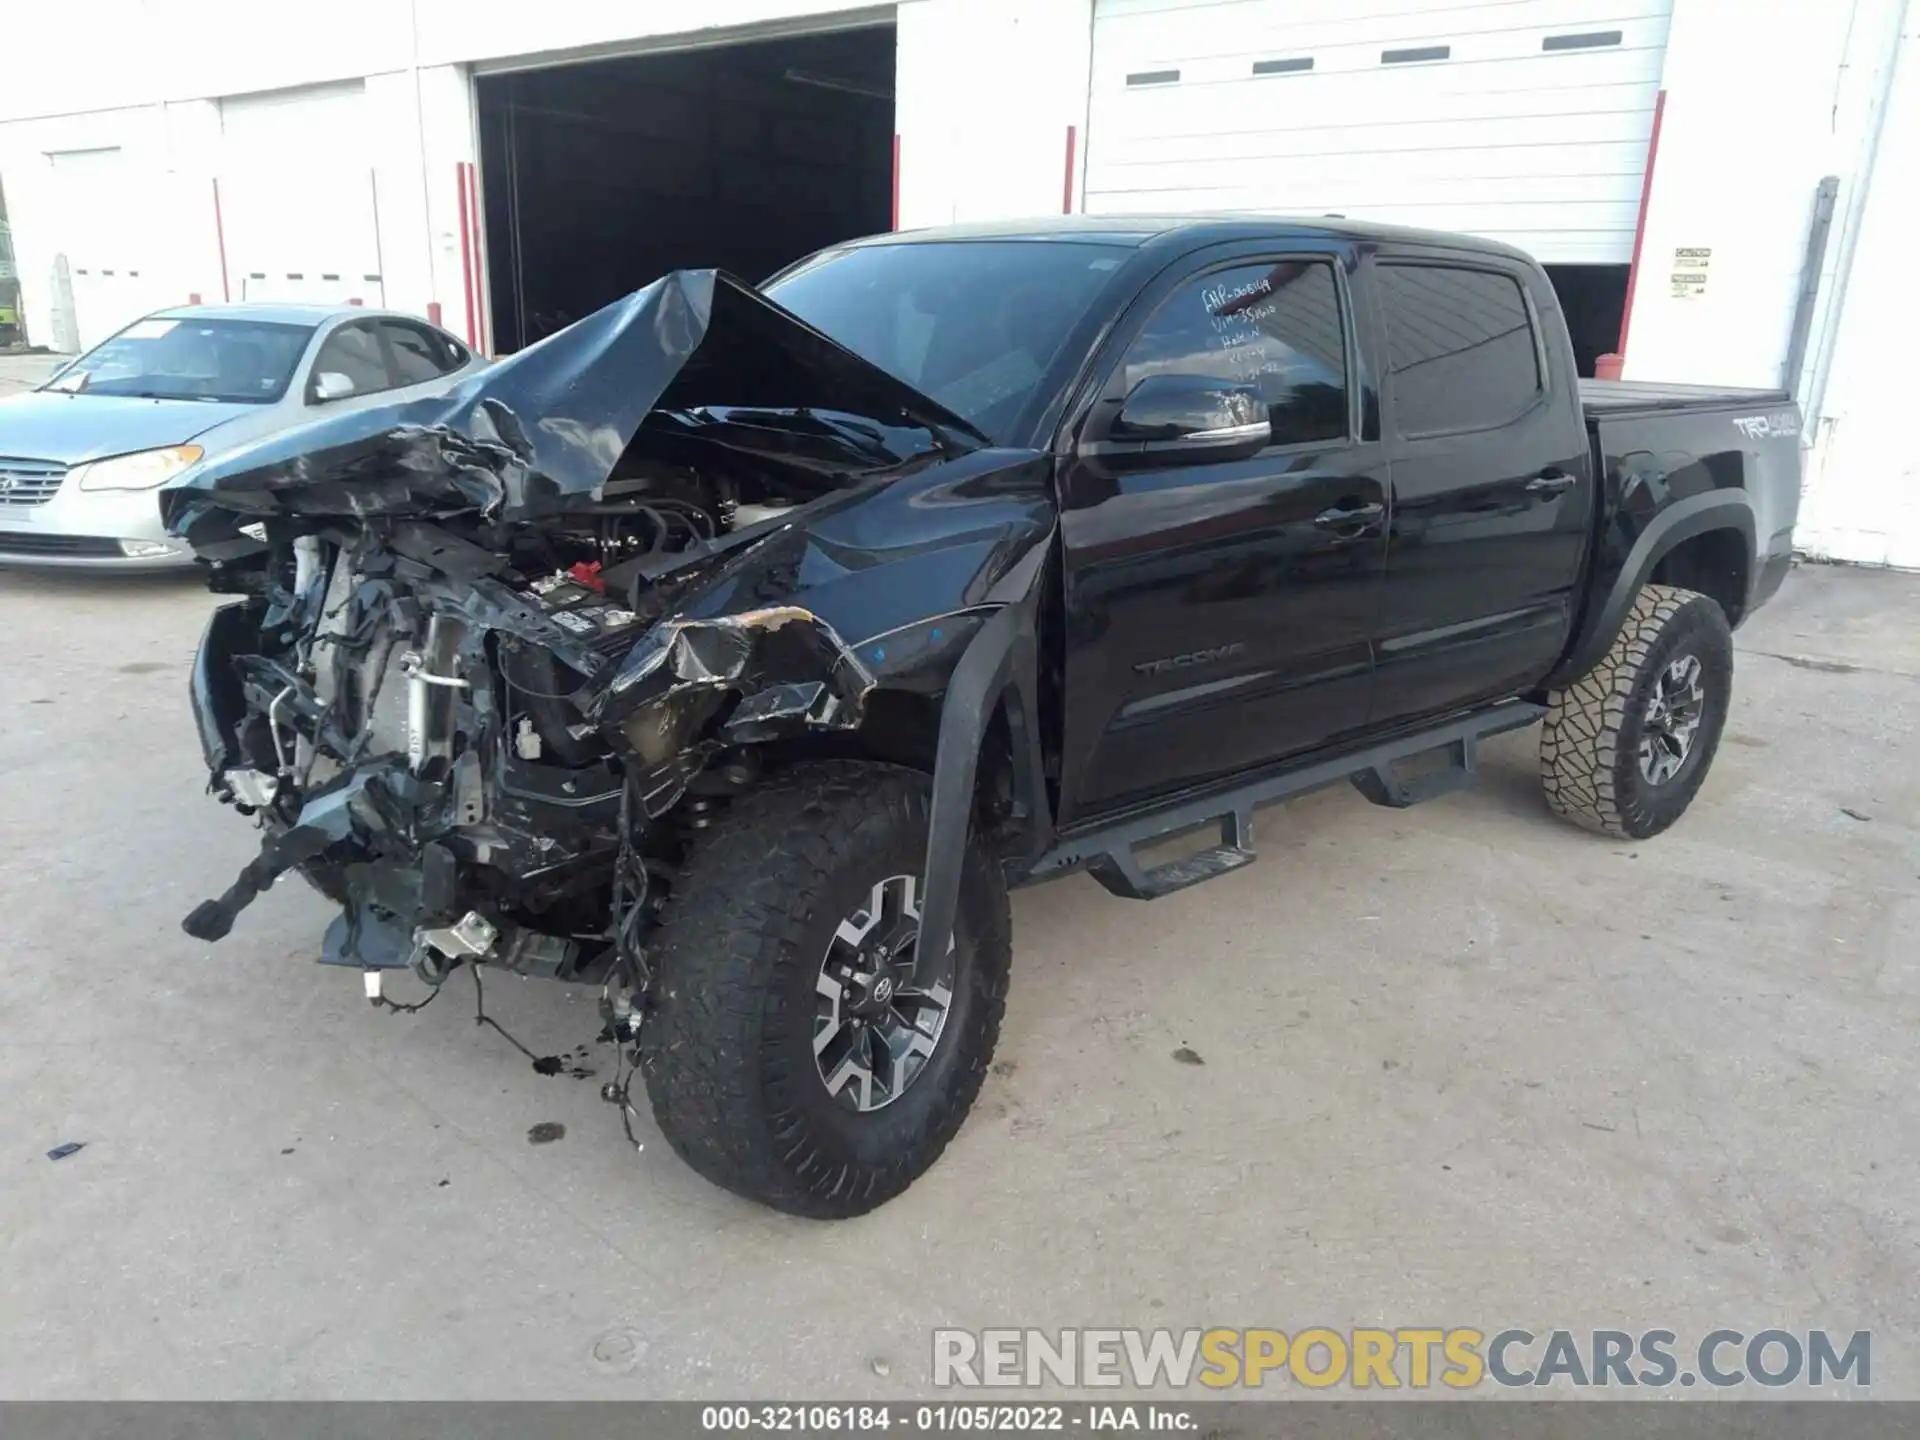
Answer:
x=736 y=650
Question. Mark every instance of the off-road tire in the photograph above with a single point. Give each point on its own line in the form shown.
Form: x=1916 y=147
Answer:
x=726 y=1047
x=1590 y=744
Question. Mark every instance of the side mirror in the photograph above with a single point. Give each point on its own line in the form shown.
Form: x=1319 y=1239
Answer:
x=331 y=385
x=1191 y=419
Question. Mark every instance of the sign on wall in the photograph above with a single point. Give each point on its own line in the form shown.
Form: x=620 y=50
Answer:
x=1690 y=264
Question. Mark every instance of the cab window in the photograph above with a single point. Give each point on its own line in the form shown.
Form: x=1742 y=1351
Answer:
x=1276 y=326
x=1461 y=350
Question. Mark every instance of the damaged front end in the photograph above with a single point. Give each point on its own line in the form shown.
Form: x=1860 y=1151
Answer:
x=464 y=762
x=502 y=654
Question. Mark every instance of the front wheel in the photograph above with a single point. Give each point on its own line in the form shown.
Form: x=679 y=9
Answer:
x=801 y=1049
x=1625 y=748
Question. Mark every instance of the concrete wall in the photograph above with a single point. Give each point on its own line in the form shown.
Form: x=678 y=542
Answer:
x=134 y=52
x=150 y=95
x=1748 y=132
x=1762 y=101
x=1756 y=115
x=1863 y=487
x=987 y=90
x=58 y=173
x=413 y=129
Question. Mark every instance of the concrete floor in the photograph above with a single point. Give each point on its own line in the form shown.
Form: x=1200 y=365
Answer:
x=22 y=372
x=1463 y=1065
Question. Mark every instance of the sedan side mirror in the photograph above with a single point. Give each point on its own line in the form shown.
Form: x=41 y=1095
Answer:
x=331 y=385
x=1185 y=419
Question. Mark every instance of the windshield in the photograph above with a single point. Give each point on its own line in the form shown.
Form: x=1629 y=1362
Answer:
x=244 y=361
x=972 y=324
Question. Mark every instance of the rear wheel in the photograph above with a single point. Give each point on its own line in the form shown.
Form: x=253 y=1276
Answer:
x=802 y=1050
x=1626 y=747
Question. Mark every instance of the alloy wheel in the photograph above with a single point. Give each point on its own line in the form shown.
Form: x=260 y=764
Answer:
x=1672 y=719
x=881 y=1006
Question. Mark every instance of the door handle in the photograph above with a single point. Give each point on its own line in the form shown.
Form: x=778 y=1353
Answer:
x=1346 y=517
x=1550 y=482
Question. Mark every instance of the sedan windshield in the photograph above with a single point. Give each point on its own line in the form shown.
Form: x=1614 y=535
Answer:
x=242 y=361
x=972 y=323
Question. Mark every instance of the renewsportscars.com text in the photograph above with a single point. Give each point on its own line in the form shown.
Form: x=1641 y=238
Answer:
x=1459 y=1358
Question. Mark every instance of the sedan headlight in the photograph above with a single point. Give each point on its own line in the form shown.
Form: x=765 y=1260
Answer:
x=147 y=470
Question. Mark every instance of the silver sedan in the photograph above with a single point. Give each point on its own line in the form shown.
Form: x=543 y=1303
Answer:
x=84 y=457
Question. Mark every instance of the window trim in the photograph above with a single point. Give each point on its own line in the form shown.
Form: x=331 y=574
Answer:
x=1543 y=372
x=370 y=325
x=1349 y=346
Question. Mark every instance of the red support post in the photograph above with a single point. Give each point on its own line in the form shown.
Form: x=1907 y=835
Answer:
x=466 y=252
x=483 y=342
x=220 y=237
x=1640 y=230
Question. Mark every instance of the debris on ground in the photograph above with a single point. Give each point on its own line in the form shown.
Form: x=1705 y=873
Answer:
x=1187 y=1055
x=72 y=1147
x=546 y=1132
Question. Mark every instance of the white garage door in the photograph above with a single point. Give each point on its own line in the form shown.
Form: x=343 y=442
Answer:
x=99 y=202
x=297 y=196
x=1525 y=120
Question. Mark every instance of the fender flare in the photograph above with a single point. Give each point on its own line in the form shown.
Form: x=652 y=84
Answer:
x=1673 y=526
x=1000 y=663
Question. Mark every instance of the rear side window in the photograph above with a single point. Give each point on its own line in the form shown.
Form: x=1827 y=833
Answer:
x=1460 y=348
x=1276 y=327
x=418 y=353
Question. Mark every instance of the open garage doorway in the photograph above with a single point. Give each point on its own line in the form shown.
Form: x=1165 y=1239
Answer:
x=1594 y=300
x=602 y=175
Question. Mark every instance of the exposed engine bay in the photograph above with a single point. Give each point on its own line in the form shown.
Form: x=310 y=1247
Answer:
x=501 y=655
x=494 y=715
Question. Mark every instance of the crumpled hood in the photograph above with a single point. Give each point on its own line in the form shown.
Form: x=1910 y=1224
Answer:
x=521 y=438
x=73 y=429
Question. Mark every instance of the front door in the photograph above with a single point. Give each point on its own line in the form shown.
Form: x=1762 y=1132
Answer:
x=1219 y=612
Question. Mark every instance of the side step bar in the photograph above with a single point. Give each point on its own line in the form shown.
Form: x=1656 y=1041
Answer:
x=1106 y=850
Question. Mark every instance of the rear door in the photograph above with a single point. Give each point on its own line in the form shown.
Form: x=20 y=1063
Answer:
x=1491 y=480
x=1218 y=614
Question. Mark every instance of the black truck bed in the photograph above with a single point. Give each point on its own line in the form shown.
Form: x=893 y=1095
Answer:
x=1612 y=399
